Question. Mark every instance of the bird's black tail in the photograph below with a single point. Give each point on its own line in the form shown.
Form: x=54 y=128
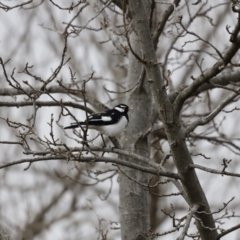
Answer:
x=75 y=125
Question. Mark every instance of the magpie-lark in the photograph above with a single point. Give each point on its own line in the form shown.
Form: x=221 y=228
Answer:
x=112 y=122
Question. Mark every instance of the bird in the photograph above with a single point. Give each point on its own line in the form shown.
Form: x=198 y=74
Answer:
x=111 y=123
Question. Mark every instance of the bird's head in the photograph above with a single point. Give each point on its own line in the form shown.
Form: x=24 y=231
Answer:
x=123 y=108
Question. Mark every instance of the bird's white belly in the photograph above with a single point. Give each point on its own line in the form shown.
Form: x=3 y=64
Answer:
x=115 y=129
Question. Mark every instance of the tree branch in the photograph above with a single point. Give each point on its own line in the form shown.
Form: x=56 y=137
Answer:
x=98 y=149
x=192 y=211
x=45 y=104
x=206 y=76
x=91 y=160
x=223 y=79
x=118 y=40
x=210 y=170
x=157 y=33
x=212 y=115
x=228 y=231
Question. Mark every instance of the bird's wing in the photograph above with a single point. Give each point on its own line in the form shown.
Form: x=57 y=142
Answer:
x=101 y=119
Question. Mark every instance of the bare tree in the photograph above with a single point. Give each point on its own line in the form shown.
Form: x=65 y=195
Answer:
x=173 y=172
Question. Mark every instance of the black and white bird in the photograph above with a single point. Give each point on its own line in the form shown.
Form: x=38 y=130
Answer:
x=111 y=123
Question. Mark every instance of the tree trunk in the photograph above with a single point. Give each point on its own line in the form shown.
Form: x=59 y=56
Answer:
x=134 y=206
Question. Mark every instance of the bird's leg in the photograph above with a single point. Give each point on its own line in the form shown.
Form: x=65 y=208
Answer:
x=113 y=142
x=104 y=144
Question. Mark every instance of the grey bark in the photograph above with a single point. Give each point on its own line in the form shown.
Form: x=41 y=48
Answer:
x=134 y=207
x=171 y=121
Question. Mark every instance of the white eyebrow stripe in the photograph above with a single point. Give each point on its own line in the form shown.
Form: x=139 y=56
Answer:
x=119 y=109
x=106 y=118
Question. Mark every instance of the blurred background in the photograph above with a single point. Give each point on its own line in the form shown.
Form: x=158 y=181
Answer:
x=69 y=200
